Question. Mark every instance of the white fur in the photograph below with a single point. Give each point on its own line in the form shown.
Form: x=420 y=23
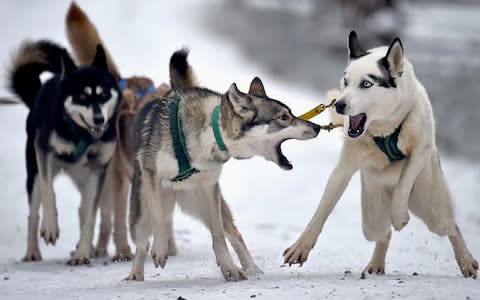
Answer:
x=389 y=190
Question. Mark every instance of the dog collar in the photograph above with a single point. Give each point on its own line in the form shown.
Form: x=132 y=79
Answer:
x=216 y=129
x=122 y=84
x=185 y=169
x=389 y=146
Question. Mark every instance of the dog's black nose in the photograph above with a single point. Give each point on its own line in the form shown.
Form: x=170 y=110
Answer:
x=98 y=119
x=340 y=107
x=316 y=128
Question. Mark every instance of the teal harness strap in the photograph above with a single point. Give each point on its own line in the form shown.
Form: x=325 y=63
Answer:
x=388 y=145
x=80 y=149
x=216 y=129
x=185 y=170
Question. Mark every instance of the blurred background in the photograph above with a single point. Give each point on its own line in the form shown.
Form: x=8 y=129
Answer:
x=304 y=42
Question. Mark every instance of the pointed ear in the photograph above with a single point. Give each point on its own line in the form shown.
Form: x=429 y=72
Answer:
x=256 y=88
x=68 y=66
x=355 y=50
x=240 y=102
x=100 y=59
x=395 y=56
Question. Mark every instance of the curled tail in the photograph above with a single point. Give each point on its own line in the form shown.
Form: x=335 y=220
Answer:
x=29 y=61
x=84 y=38
x=181 y=73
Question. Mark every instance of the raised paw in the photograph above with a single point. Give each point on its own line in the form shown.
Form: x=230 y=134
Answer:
x=49 y=230
x=400 y=218
x=253 y=270
x=233 y=273
x=469 y=267
x=297 y=253
x=374 y=268
x=137 y=276
x=32 y=255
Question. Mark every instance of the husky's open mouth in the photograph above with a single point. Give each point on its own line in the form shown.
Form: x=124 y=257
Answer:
x=282 y=161
x=95 y=131
x=357 y=125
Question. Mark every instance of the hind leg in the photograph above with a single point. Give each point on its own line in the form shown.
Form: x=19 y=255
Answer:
x=376 y=207
x=431 y=201
x=34 y=201
x=235 y=238
x=467 y=264
x=33 y=250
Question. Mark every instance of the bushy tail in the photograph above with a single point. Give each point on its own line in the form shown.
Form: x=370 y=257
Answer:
x=181 y=73
x=84 y=38
x=334 y=116
x=30 y=60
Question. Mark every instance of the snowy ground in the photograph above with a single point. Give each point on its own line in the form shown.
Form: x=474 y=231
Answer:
x=271 y=206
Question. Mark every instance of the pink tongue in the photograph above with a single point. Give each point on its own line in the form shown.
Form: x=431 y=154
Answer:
x=355 y=121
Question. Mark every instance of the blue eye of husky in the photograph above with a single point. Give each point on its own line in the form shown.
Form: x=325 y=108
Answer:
x=365 y=84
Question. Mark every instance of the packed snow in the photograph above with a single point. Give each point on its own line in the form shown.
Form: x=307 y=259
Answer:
x=271 y=206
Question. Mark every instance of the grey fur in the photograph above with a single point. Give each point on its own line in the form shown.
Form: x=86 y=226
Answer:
x=251 y=124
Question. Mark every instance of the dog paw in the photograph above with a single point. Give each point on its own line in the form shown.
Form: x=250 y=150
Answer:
x=78 y=259
x=374 y=268
x=233 y=273
x=123 y=254
x=137 y=276
x=49 y=230
x=32 y=255
x=400 y=218
x=253 y=270
x=297 y=253
x=468 y=266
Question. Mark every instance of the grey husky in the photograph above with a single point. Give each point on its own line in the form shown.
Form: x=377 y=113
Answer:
x=245 y=125
x=391 y=139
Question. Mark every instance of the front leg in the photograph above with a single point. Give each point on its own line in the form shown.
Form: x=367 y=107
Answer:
x=338 y=181
x=401 y=193
x=89 y=190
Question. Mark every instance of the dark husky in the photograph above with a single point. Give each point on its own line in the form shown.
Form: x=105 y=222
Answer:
x=70 y=128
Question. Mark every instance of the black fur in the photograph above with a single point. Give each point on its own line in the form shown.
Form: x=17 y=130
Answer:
x=387 y=78
x=46 y=102
x=354 y=48
x=179 y=61
x=381 y=81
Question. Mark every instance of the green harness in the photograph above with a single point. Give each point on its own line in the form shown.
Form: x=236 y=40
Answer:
x=185 y=169
x=389 y=146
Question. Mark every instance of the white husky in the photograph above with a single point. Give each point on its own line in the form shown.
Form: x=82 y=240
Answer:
x=391 y=140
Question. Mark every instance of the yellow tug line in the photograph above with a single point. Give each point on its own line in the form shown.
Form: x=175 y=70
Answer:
x=318 y=110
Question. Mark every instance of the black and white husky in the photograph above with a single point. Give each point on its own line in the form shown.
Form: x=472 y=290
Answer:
x=70 y=128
